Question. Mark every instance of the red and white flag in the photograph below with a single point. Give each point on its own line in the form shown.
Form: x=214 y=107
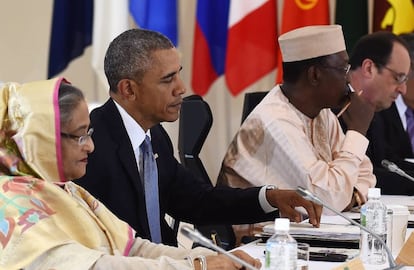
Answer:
x=251 y=46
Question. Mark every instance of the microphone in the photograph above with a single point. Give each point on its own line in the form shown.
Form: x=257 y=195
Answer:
x=392 y=167
x=306 y=194
x=197 y=237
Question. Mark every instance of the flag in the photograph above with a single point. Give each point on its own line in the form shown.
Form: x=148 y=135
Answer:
x=157 y=15
x=251 y=44
x=352 y=15
x=110 y=20
x=210 y=43
x=71 y=32
x=297 y=14
x=394 y=16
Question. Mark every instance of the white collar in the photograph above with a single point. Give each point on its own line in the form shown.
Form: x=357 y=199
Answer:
x=135 y=132
x=401 y=108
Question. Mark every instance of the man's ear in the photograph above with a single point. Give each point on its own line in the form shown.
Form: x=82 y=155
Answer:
x=127 y=89
x=368 y=68
x=313 y=75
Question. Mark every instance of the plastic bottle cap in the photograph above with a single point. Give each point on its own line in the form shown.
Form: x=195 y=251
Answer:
x=374 y=193
x=282 y=224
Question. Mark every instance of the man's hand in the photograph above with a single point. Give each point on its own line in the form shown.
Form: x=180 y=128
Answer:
x=359 y=114
x=287 y=200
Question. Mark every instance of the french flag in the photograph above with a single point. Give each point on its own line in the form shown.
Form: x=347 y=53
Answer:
x=251 y=45
x=210 y=43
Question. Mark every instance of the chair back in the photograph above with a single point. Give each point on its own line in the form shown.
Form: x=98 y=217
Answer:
x=195 y=123
x=250 y=102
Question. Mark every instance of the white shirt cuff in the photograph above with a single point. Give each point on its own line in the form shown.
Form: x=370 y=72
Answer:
x=266 y=206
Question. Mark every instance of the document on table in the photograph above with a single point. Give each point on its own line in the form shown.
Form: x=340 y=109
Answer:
x=331 y=227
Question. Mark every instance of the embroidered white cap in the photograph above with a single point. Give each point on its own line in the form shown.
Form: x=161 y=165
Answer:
x=311 y=41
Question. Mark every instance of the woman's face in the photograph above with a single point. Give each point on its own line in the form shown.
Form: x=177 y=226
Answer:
x=75 y=156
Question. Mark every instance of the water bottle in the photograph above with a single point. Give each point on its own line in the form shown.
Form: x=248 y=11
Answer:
x=281 y=248
x=374 y=218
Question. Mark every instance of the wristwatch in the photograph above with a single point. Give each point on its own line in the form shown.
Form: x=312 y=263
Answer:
x=271 y=187
x=264 y=201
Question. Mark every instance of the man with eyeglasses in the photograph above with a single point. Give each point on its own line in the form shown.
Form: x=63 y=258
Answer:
x=380 y=64
x=381 y=68
x=292 y=138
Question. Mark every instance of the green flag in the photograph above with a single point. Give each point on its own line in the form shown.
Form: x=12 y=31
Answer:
x=353 y=16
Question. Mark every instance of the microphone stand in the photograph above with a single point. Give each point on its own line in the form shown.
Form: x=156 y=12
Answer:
x=392 y=167
x=311 y=197
x=197 y=237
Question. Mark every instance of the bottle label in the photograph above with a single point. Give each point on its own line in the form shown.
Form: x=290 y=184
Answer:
x=374 y=218
x=281 y=256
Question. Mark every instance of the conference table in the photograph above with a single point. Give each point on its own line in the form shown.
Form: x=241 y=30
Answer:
x=256 y=248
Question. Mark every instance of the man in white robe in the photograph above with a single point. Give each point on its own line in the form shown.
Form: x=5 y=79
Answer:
x=293 y=139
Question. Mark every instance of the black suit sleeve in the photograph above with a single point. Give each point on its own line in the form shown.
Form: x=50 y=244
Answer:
x=389 y=140
x=190 y=199
x=112 y=177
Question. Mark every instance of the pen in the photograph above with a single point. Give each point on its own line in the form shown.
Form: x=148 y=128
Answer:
x=351 y=90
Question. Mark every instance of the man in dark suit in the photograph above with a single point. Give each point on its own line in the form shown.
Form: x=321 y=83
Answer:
x=390 y=140
x=142 y=68
x=380 y=66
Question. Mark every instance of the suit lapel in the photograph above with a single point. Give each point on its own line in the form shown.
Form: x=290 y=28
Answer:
x=125 y=151
x=392 y=115
x=397 y=135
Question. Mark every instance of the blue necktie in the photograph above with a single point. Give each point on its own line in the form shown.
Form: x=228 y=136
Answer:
x=150 y=174
x=410 y=126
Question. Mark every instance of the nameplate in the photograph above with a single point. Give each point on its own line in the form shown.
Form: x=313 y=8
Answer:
x=355 y=264
x=406 y=254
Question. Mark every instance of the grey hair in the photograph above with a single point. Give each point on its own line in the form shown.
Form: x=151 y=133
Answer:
x=129 y=55
x=69 y=98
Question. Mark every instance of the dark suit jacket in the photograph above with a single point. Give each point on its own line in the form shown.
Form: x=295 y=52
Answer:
x=389 y=140
x=112 y=177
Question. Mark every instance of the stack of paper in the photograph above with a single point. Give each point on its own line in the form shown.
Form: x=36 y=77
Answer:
x=332 y=228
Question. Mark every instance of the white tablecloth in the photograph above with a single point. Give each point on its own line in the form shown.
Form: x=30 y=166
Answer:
x=256 y=250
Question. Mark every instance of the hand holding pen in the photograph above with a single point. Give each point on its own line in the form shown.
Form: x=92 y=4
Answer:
x=357 y=112
x=351 y=90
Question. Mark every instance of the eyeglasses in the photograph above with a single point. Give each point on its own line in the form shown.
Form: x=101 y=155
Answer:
x=81 y=139
x=345 y=69
x=400 y=78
